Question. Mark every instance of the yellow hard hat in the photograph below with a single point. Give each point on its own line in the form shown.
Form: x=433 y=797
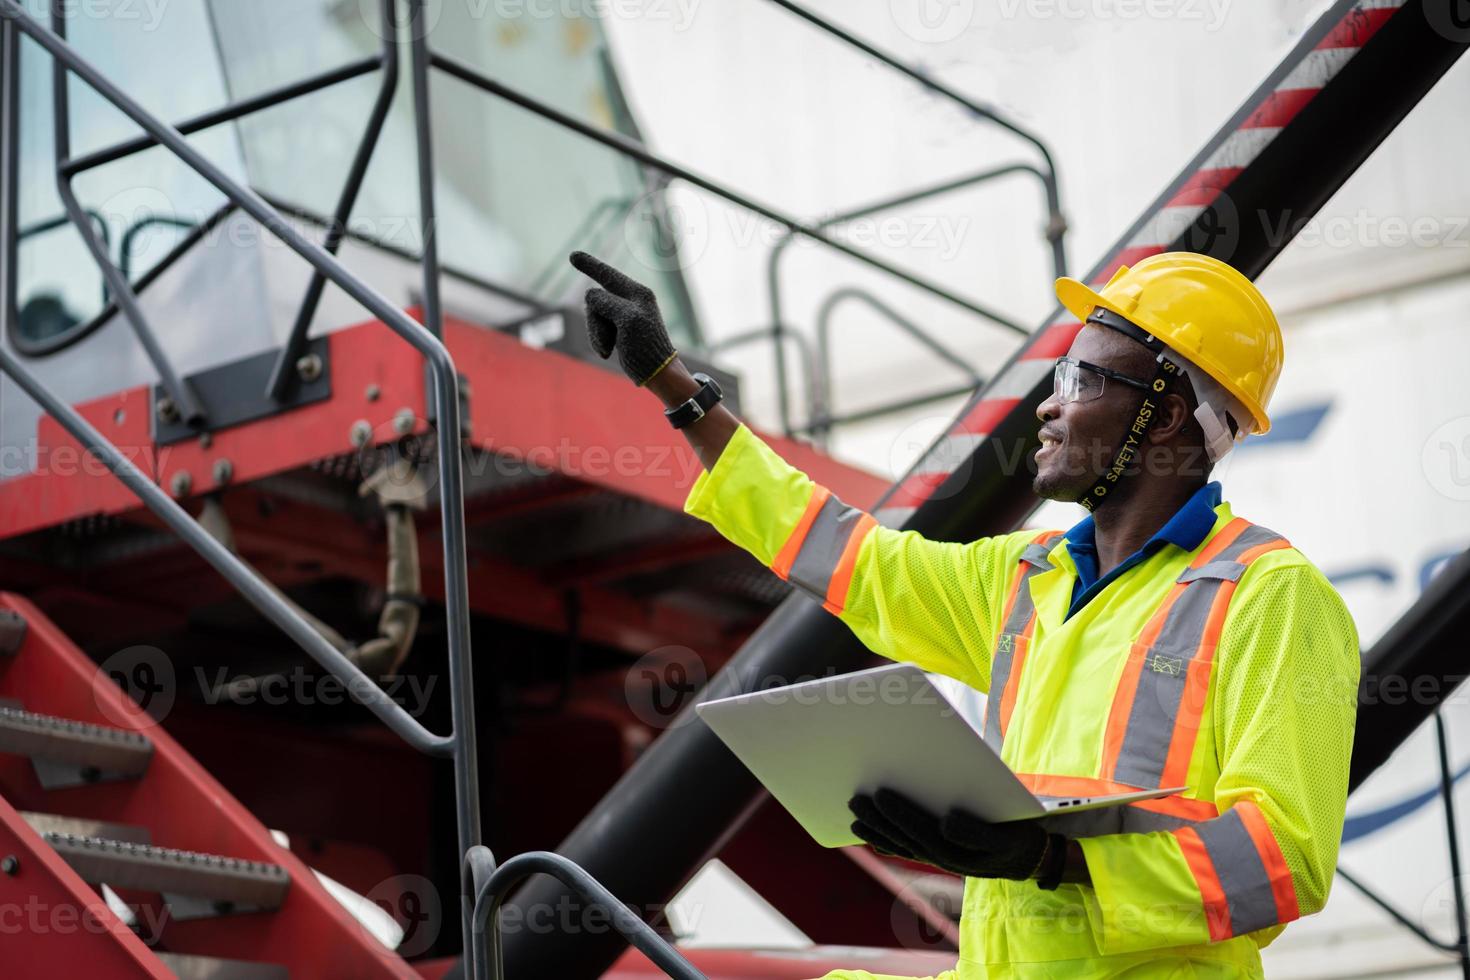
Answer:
x=1208 y=312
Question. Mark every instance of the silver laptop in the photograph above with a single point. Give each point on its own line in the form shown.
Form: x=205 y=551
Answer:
x=818 y=743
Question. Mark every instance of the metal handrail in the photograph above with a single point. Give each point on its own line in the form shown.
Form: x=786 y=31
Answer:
x=530 y=302
x=640 y=153
x=491 y=893
x=817 y=401
x=1056 y=226
x=822 y=425
x=460 y=744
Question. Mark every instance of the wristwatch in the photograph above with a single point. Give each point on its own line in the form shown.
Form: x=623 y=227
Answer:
x=706 y=398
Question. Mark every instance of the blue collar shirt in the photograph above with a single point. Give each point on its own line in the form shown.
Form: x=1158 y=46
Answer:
x=1187 y=529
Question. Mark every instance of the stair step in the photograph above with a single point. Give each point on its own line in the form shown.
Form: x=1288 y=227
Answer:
x=96 y=750
x=229 y=884
x=55 y=823
x=209 y=968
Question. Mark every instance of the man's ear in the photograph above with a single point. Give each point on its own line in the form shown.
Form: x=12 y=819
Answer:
x=1172 y=418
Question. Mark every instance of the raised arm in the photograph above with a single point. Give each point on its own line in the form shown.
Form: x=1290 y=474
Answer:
x=623 y=316
x=906 y=597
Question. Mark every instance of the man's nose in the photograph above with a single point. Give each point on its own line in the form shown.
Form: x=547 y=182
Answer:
x=1049 y=408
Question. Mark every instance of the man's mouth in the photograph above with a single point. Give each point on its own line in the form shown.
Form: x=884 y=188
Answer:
x=1049 y=441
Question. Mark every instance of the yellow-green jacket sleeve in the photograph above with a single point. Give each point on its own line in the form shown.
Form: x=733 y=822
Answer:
x=1284 y=709
x=906 y=597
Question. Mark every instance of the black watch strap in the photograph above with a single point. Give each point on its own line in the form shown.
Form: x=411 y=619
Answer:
x=706 y=398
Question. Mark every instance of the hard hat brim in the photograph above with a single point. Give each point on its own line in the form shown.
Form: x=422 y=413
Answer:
x=1081 y=299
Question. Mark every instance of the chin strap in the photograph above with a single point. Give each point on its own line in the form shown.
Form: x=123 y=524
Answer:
x=1166 y=374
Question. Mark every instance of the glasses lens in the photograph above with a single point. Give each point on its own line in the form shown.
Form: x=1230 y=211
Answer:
x=1074 y=383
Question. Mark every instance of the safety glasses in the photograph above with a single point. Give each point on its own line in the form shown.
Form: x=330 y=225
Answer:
x=1079 y=381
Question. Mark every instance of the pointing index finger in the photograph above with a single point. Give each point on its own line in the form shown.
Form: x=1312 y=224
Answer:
x=609 y=278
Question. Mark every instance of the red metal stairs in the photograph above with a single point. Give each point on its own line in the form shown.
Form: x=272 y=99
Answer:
x=94 y=792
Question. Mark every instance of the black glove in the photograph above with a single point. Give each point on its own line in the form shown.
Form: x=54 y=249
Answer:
x=959 y=842
x=623 y=315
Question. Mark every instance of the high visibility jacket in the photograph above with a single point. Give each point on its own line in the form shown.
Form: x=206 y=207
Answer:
x=1231 y=670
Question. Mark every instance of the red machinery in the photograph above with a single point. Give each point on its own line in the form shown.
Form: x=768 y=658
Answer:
x=563 y=544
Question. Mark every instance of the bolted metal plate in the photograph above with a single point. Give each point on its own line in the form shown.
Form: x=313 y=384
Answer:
x=234 y=393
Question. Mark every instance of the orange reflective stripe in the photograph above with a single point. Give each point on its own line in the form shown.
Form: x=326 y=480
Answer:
x=1180 y=806
x=1212 y=895
x=1283 y=889
x=1043 y=784
x=787 y=555
x=1013 y=683
x=1172 y=760
x=842 y=576
x=1192 y=706
x=1197 y=679
x=1223 y=540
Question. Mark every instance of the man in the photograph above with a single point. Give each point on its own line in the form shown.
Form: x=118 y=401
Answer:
x=1161 y=642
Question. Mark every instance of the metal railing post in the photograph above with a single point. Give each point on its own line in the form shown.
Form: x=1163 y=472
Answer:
x=283 y=374
x=1447 y=792
x=418 y=39
x=178 y=389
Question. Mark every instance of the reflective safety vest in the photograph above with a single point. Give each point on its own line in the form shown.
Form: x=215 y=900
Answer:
x=1230 y=671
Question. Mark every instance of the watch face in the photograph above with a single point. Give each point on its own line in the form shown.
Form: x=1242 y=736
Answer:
x=705 y=379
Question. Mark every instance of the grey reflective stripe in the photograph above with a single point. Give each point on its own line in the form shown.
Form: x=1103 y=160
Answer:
x=1241 y=871
x=1015 y=624
x=1228 y=570
x=823 y=545
x=1036 y=554
x=1154 y=714
x=1111 y=820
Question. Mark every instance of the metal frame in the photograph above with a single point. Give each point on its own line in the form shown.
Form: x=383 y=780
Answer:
x=638 y=152
x=822 y=423
x=816 y=419
x=183 y=245
x=125 y=298
x=1056 y=227
x=460 y=744
x=535 y=306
